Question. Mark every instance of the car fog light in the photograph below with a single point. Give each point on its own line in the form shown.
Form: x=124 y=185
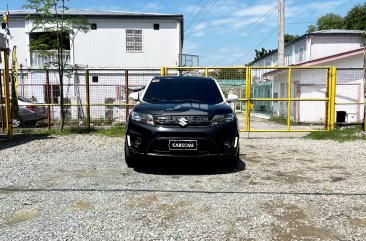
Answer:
x=228 y=144
x=137 y=142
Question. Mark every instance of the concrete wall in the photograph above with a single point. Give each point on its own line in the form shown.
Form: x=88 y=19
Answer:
x=323 y=46
x=106 y=46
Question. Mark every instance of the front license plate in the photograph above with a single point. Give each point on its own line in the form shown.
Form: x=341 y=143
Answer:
x=183 y=145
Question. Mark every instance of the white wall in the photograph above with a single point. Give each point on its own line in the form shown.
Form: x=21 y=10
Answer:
x=19 y=39
x=106 y=46
x=323 y=46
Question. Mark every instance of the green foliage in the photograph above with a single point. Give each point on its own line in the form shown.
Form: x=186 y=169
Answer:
x=311 y=28
x=289 y=37
x=279 y=119
x=237 y=74
x=53 y=29
x=340 y=134
x=50 y=18
x=330 y=21
x=356 y=18
x=261 y=53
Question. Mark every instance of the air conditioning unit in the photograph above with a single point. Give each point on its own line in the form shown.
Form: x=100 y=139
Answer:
x=2 y=41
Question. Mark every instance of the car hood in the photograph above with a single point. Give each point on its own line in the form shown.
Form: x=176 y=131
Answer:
x=183 y=108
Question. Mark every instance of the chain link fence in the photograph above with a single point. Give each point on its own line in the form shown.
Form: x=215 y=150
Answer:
x=105 y=96
x=272 y=101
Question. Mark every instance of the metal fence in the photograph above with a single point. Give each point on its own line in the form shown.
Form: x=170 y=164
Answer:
x=95 y=97
x=270 y=98
x=276 y=99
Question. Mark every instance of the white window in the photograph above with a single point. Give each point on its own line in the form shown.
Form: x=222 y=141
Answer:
x=287 y=59
x=301 y=55
x=134 y=40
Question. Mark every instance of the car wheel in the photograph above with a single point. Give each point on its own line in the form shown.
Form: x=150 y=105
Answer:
x=15 y=123
x=130 y=160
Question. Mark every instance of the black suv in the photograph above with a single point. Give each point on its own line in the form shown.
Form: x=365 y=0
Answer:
x=182 y=117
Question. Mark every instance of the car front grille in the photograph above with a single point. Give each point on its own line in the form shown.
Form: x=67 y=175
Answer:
x=183 y=121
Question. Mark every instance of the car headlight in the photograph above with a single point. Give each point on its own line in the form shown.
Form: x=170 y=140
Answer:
x=221 y=119
x=142 y=117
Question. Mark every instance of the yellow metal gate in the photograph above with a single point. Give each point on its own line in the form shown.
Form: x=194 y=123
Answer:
x=275 y=99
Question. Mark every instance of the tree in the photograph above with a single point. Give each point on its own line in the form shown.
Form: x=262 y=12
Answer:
x=261 y=53
x=311 y=28
x=356 y=18
x=289 y=37
x=330 y=21
x=54 y=30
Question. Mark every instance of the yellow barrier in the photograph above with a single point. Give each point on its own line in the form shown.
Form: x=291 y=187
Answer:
x=250 y=100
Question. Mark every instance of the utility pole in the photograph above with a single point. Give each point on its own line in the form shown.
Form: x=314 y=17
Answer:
x=281 y=30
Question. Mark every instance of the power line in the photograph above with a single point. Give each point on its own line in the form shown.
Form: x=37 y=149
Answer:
x=244 y=55
x=246 y=28
x=189 y=15
x=201 y=19
x=252 y=32
x=198 y=13
x=299 y=22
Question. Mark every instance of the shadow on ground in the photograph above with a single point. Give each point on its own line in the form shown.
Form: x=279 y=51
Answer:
x=184 y=167
x=20 y=139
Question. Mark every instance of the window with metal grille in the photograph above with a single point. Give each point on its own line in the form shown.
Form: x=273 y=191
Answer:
x=134 y=40
x=301 y=55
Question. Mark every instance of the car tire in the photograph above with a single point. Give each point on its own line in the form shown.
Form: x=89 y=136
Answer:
x=130 y=160
x=233 y=161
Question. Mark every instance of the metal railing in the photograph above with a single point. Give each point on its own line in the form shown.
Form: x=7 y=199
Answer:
x=287 y=107
x=271 y=99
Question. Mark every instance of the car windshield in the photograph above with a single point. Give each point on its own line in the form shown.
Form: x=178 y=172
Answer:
x=202 y=90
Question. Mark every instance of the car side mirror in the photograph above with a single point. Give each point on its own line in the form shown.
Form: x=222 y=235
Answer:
x=231 y=98
x=134 y=96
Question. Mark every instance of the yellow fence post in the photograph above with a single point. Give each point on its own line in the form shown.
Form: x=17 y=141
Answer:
x=162 y=71
x=289 y=80
x=87 y=98
x=9 y=127
x=333 y=96
x=206 y=72
x=247 y=97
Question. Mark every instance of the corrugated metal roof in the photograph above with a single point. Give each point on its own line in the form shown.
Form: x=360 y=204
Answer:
x=339 y=31
x=91 y=13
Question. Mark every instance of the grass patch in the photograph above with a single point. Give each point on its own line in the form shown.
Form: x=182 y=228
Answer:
x=279 y=119
x=115 y=131
x=339 y=134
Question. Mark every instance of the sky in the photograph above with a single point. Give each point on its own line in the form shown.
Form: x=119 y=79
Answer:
x=223 y=32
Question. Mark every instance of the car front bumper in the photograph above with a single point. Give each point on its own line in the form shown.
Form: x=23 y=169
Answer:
x=213 y=142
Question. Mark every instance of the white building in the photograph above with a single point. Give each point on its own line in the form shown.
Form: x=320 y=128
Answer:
x=116 y=40
x=340 y=48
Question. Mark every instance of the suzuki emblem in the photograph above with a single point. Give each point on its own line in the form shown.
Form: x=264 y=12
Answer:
x=182 y=122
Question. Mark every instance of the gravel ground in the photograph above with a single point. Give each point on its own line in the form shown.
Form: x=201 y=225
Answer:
x=79 y=188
